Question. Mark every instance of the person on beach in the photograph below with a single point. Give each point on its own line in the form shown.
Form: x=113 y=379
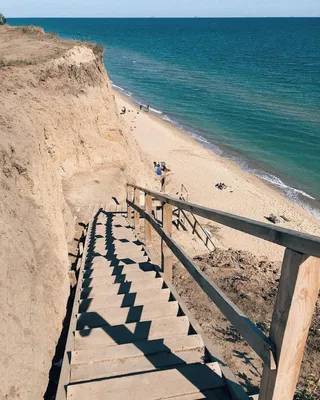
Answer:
x=141 y=107
x=164 y=178
x=155 y=166
x=148 y=108
x=158 y=170
x=123 y=111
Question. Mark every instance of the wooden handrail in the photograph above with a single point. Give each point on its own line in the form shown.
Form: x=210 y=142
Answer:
x=296 y=298
x=255 y=338
x=197 y=223
x=301 y=242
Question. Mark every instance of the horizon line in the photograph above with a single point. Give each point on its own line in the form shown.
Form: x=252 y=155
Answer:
x=171 y=17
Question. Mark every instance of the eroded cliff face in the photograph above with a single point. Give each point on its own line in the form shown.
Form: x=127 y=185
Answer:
x=57 y=117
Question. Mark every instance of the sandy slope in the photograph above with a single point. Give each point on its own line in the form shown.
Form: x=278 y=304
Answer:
x=58 y=119
x=199 y=170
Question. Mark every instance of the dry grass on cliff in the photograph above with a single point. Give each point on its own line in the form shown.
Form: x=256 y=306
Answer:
x=251 y=283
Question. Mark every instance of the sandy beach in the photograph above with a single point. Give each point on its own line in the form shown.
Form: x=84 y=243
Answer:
x=200 y=170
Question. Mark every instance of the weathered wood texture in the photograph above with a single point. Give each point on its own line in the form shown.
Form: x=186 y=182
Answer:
x=256 y=339
x=295 y=303
x=129 y=209
x=294 y=240
x=282 y=353
x=166 y=253
x=137 y=202
x=147 y=225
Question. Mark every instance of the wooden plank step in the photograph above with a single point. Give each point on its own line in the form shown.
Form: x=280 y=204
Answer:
x=130 y=269
x=128 y=258
x=216 y=394
x=121 y=288
x=116 y=367
x=173 y=344
x=128 y=277
x=117 y=268
x=100 y=262
x=124 y=300
x=117 y=245
x=107 y=335
x=184 y=380
x=116 y=316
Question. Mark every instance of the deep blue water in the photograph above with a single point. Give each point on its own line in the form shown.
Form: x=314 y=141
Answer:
x=247 y=88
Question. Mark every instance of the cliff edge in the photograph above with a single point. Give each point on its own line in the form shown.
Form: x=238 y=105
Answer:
x=58 y=118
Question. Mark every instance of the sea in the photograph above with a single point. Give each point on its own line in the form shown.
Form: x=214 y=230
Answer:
x=246 y=88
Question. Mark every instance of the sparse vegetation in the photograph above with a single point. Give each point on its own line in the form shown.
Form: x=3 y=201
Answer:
x=33 y=30
x=97 y=48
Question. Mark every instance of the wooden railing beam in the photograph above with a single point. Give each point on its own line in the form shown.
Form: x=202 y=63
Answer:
x=300 y=242
x=256 y=339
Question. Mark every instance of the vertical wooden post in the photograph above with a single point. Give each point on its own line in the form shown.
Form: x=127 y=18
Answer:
x=147 y=225
x=129 y=209
x=137 y=202
x=297 y=295
x=166 y=254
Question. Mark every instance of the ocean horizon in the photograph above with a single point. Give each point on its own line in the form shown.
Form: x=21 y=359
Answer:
x=246 y=88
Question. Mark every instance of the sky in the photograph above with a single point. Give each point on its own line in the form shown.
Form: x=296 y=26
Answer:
x=160 y=8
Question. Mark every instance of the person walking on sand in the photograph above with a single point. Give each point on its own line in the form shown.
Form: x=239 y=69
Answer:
x=158 y=169
x=141 y=107
x=164 y=178
x=148 y=108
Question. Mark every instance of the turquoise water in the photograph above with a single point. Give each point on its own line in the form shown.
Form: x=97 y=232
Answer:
x=249 y=89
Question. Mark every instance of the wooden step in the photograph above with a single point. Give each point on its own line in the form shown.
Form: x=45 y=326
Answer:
x=117 y=268
x=184 y=380
x=121 y=288
x=130 y=270
x=116 y=316
x=102 y=262
x=110 y=368
x=124 y=300
x=173 y=344
x=110 y=279
x=107 y=335
x=215 y=394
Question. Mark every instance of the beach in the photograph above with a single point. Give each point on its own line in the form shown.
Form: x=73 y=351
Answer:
x=199 y=170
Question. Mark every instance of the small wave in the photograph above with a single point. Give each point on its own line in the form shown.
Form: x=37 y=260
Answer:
x=155 y=111
x=134 y=61
x=294 y=194
x=198 y=137
x=117 y=87
x=126 y=92
x=278 y=182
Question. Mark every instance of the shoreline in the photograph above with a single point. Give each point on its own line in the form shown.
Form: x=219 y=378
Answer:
x=271 y=178
x=199 y=169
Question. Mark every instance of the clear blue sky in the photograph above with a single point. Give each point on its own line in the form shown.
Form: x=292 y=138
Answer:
x=159 y=8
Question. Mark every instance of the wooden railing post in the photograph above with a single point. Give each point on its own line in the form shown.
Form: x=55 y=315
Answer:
x=297 y=295
x=137 y=202
x=129 y=209
x=147 y=225
x=166 y=254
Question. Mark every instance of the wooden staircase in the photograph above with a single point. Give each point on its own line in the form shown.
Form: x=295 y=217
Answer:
x=130 y=338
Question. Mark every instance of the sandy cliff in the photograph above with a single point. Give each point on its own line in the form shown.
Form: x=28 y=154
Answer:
x=57 y=118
